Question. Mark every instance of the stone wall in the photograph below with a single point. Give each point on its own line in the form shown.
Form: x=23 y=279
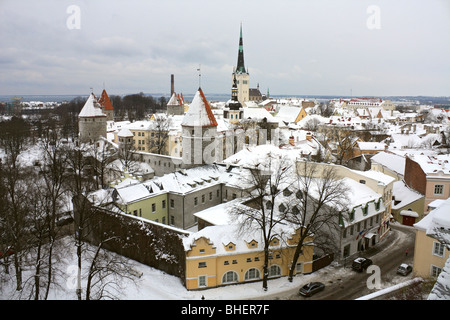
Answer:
x=147 y=242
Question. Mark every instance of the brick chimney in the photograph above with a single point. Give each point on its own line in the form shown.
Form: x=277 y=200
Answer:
x=172 y=85
x=292 y=141
x=308 y=136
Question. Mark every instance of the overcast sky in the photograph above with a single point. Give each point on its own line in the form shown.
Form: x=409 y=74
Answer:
x=322 y=47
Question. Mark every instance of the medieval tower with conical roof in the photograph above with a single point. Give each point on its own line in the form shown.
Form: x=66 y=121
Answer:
x=200 y=142
x=241 y=75
x=91 y=121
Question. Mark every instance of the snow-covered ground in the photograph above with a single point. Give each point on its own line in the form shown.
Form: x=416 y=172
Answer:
x=157 y=285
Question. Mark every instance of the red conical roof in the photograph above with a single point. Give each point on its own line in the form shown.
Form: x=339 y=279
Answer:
x=105 y=102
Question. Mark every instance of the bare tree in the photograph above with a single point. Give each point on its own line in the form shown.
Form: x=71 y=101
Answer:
x=262 y=191
x=106 y=272
x=320 y=197
x=158 y=138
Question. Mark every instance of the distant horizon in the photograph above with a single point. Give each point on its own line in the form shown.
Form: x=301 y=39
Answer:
x=211 y=96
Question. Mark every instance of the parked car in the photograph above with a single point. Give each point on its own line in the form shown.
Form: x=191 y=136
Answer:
x=404 y=269
x=311 y=288
x=360 y=264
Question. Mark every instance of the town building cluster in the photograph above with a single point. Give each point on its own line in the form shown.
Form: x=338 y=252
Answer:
x=184 y=169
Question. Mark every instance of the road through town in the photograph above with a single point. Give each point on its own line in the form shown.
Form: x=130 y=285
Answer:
x=342 y=283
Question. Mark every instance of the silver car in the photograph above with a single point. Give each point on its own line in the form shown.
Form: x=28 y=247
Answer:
x=404 y=269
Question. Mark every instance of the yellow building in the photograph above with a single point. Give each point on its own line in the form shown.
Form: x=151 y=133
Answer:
x=220 y=255
x=431 y=249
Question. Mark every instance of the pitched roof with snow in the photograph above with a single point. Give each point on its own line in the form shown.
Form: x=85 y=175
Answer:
x=199 y=113
x=91 y=108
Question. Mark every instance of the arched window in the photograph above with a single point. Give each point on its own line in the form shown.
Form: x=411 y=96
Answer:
x=252 y=274
x=230 y=277
x=274 y=271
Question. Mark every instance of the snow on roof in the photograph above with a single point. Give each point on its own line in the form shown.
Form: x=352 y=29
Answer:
x=220 y=236
x=175 y=100
x=258 y=114
x=125 y=132
x=288 y=113
x=199 y=112
x=376 y=175
x=441 y=290
x=404 y=194
x=373 y=146
x=437 y=222
x=91 y=108
x=433 y=164
x=390 y=160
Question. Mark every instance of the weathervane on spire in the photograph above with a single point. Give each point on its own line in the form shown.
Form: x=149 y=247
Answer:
x=199 y=76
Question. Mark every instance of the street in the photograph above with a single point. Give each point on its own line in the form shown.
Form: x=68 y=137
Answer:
x=349 y=285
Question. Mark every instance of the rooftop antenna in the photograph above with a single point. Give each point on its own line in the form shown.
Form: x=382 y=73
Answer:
x=199 y=76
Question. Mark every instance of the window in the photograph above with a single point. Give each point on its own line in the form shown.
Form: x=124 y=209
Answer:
x=218 y=193
x=164 y=204
x=438 y=189
x=210 y=196
x=153 y=207
x=172 y=203
x=172 y=220
x=202 y=250
x=274 y=271
x=249 y=259
x=202 y=264
x=195 y=201
x=438 y=249
x=226 y=263
x=203 y=198
x=252 y=274
x=299 y=267
x=230 y=277
x=435 y=271
x=202 y=281
x=234 y=261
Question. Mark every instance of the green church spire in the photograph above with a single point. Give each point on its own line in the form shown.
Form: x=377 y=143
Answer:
x=240 y=63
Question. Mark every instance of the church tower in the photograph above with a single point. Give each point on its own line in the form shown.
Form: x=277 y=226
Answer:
x=233 y=108
x=200 y=143
x=241 y=75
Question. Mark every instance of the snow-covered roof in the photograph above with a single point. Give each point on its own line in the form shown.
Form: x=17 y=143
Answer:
x=288 y=113
x=371 y=146
x=404 y=195
x=91 y=108
x=433 y=164
x=125 y=133
x=199 y=112
x=390 y=160
x=437 y=223
x=258 y=114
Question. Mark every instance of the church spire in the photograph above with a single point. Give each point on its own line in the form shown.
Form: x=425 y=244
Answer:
x=240 y=63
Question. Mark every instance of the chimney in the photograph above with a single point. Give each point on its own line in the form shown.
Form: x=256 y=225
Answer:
x=308 y=136
x=172 y=85
x=291 y=141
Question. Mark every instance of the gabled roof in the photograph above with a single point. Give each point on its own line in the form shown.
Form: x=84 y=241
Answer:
x=199 y=113
x=105 y=102
x=91 y=108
